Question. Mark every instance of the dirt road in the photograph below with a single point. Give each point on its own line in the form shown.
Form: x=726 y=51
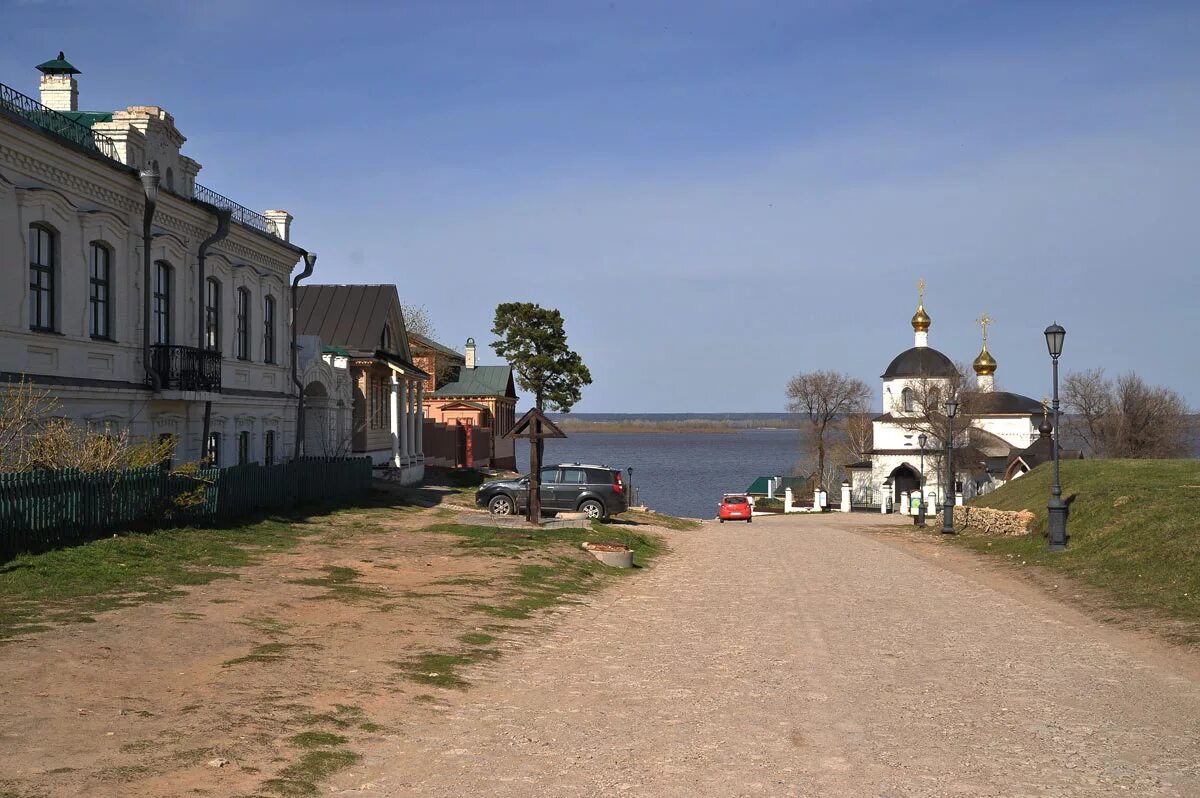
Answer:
x=798 y=657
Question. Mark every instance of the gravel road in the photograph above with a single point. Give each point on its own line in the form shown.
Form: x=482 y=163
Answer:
x=798 y=657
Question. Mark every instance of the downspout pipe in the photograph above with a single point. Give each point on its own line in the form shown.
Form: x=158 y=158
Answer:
x=310 y=262
x=223 y=216
x=149 y=178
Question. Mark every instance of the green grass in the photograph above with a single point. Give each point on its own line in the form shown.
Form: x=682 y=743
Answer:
x=318 y=739
x=72 y=584
x=1134 y=529
x=661 y=519
x=300 y=778
x=341 y=585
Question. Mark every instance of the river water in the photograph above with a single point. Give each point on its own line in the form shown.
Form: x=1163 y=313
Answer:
x=680 y=473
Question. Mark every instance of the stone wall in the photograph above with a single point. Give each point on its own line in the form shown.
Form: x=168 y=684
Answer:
x=991 y=522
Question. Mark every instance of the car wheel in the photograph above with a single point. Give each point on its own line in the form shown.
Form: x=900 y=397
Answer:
x=749 y=520
x=722 y=520
x=501 y=505
x=592 y=508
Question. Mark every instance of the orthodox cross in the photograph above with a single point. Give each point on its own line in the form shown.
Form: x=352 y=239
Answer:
x=921 y=290
x=536 y=427
x=985 y=321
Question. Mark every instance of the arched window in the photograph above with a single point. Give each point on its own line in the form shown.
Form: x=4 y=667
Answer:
x=212 y=314
x=170 y=179
x=242 y=342
x=385 y=339
x=100 y=298
x=162 y=302
x=43 y=255
x=268 y=329
x=906 y=400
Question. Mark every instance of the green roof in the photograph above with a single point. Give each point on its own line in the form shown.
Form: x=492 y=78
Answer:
x=797 y=484
x=334 y=350
x=88 y=118
x=480 y=381
x=58 y=66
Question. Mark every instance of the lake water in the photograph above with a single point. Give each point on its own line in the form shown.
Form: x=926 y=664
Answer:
x=680 y=473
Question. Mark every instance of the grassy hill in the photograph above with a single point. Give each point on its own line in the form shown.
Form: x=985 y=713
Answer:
x=1134 y=529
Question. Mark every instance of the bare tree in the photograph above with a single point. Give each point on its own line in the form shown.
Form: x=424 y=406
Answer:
x=859 y=436
x=417 y=320
x=824 y=396
x=1127 y=418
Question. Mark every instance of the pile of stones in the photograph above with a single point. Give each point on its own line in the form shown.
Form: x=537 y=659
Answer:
x=992 y=522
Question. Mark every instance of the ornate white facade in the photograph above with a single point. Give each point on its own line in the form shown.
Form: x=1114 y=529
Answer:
x=72 y=295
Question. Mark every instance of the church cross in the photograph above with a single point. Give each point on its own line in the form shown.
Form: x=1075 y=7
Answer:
x=921 y=290
x=985 y=321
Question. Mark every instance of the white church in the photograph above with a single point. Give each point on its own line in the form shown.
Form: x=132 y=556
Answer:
x=1005 y=433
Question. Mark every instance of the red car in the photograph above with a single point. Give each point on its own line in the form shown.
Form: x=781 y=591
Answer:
x=735 y=507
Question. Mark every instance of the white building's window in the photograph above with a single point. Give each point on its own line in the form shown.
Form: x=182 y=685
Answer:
x=43 y=253
x=243 y=447
x=212 y=314
x=162 y=302
x=269 y=447
x=242 y=341
x=100 y=299
x=269 y=329
x=906 y=400
x=212 y=449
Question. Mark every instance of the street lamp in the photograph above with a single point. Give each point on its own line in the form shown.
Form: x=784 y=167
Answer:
x=948 y=502
x=922 y=439
x=149 y=178
x=1057 y=507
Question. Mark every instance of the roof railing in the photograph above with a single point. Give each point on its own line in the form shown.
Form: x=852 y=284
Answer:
x=29 y=109
x=25 y=107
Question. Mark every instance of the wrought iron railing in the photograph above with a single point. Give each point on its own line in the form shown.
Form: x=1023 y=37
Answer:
x=29 y=109
x=186 y=368
x=237 y=213
x=25 y=107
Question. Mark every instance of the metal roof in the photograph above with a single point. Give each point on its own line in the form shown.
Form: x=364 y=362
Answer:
x=920 y=361
x=481 y=381
x=352 y=317
x=418 y=340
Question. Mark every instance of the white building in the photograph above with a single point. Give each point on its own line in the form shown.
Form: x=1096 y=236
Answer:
x=85 y=306
x=1001 y=426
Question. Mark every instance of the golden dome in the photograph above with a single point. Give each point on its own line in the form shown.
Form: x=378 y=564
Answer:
x=985 y=364
x=920 y=319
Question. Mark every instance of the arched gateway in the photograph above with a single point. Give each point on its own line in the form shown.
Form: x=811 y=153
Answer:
x=904 y=479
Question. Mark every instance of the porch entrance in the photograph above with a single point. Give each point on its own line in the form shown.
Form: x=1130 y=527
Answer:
x=905 y=479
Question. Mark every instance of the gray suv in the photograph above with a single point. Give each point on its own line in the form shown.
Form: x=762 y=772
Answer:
x=568 y=487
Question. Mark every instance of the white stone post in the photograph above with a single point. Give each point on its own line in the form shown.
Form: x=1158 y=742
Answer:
x=816 y=500
x=770 y=488
x=904 y=503
x=845 y=497
x=883 y=500
x=787 y=500
x=958 y=499
x=395 y=418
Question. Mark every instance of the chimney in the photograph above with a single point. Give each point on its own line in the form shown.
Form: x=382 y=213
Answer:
x=470 y=353
x=59 y=90
x=281 y=223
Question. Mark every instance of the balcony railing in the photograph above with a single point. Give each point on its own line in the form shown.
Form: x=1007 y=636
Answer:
x=186 y=368
x=29 y=109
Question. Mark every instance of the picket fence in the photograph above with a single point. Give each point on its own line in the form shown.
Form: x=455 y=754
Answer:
x=40 y=510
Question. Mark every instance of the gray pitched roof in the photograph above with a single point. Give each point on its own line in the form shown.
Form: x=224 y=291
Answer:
x=418 y=340
x=353 y=317
x=920 y=361
x=481 y=381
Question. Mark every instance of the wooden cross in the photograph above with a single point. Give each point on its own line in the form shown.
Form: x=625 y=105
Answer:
x=536 y=427
x=984 y=322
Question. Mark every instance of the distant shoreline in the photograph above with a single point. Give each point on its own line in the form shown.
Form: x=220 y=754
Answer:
x=578 y=425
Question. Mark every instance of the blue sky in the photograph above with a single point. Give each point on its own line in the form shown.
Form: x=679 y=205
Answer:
x=716 y=195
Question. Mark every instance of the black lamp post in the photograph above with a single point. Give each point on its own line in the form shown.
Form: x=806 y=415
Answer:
x=948 y=502
x=922 y=439
x=1057 y=507
x=629 y=487
x=149 y=178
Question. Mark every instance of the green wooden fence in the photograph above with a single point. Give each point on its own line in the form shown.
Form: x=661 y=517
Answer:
x=40 y=510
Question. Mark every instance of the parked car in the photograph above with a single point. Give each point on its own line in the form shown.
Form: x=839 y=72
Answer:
x=735 y=507
x=569 y=487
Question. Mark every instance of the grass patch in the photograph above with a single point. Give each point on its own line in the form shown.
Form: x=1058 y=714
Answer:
x=267 y=652
x=441 y=670
x=300 y=778
x=477 y=638
x=1132 y=525
x=72 y=584
x=660 y=519
x=340 y=583
x=317 y=739
x=343 y=716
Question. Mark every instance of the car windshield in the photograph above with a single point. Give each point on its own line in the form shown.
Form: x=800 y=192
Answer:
x=735 y=499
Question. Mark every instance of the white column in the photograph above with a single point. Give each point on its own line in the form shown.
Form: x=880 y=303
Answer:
x=409 y=418
x=845 y=497
x=395 y=399
x=884 y=492
x=904 y=503
x=421 y=421
x=788 y=499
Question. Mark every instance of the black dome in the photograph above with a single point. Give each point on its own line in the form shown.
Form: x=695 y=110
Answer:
x=1003 y=402
x=920 y=361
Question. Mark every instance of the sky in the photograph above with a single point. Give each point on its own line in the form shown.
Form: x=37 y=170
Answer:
x=716 y=195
